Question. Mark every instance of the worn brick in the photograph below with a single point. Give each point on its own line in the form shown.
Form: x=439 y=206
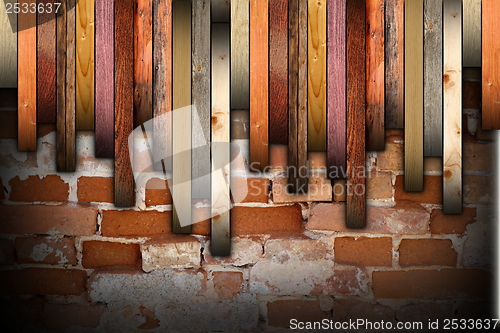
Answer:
x=250 y=189
x=22 y=314
x=280 y=312
x=480 y=241
x=278 y=155
x=423 y=312
x=378 y=185
x=352 y=309
x=99 y=254
x=240 y=124
x=227 y=284
x=478 y=156
x=319 y=188
x=42 y=250
x=363 y=251
x=263 y=220
x=432 y=193
x=7 y=252
x=391 y=158
x=478 y=189
x=135 y=223
x=35 y=189
x=96 y=189
x=61 y=317
x=478 y=310
x=158 y=192
x=427 y=252
x=244 y=251
x=151 y=320
x=451 y=224
x=43 y=281
x=174 y=251
x=433 y=164
x=434 y=284
x=339 y=190
x=71 y=220
x=471 y=94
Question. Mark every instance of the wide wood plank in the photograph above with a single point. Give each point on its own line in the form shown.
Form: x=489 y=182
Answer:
x=452 y=82
x=8 y=45
x=337 y=98
x=490 y=68
x=394 y=63
x=85 y=70
x=104 y=82
x=356 y=89
x=433 y=78
x=124 y=102
x=414 y=96
x=240 y=52
x=472 y=33
x=26 y=80
x=46 y=66
x=259 y=85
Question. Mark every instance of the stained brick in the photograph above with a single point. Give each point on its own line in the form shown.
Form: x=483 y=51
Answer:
x=7 y=252
x=451 y=224
x=477 y=156
x=171 y=251
x=99 y=254
x=391 y=159
x=363 y=251
x=135 y=223
x=257 y=189
x=96 y=189
x=432 y=193
x=352 y=309
x=35 y=189
x=227 y=284
x=478 y=189
x=158 y=192
x=471 y=94
x=427 y=252
x=319 y=188
x=61 y=317
x=44 y=250
x=378 y=185
x=263 y=220
x=280 y=312
x=244 y=251
x=423 y=312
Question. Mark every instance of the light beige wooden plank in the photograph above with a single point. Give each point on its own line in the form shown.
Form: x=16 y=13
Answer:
x=240 y=66
x=8 y=47
x=472 y=33
x=452 y=95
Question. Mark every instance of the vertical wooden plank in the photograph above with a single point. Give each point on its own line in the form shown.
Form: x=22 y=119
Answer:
x=221 y=11
x=143 y=61
x=124 y=101
x=336 y=112
x=240 y=66
x=26 y=80
x=414 y=95
x=472 y=33
x=356 y=89
x=317 y=74
x=490 y=67
x=452 y=84
x=259 y=85
x=433 y=78
x=278 y=71
x=302 y=95
x=46 y=66
x=104 y=79
x=394 y=63
x=8 y=45
x=221 y=202
x=181 y=131
x=375 y=102
x=85 y=64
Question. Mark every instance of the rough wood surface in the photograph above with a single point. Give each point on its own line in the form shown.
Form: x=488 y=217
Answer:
x=472 y=33
x=8 y=45
x=302 y=141
x=240 y=66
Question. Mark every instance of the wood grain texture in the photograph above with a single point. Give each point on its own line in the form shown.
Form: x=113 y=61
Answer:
x=414 y=96
x=433 y=78
x=316 y=74
x=356 y=90
x=104 y=79
x=278 y=71
x=26 y=80
x=336 y=85
x=8 y=45
x=46 y=67
x=143 y=61
x=85 y=71
x=240 y=62
x=394 y=63
x=302 y=129
x=221 y=11
x=259 y=85
x=375 y=101
x=452 y=95
x=124 y=102
x=490 y=67
x=472 y=33
x=181 y=131
x=221 y=157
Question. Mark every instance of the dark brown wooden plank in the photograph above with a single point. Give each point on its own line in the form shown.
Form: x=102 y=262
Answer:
x=124 y=101
x=302 y=129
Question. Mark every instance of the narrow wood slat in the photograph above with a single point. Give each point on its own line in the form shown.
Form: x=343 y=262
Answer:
x=240 y=66
x=104 y=79
x=85 y=70
x=221 y=176
x=259 y=85
x=221 y=11
x=356 y=89
x=302 y=129
x=181 y=131
x=337 y=99
x=124 y=101
x=8 y=45
x=375 y=101
x=452 y=83
x=490 y=67
x=472 y=33
x=394 y=63
x=278 y=72
x=414 y=96
x=433 y=78
x=46 y=66
x=26 y=80
x=316 y=90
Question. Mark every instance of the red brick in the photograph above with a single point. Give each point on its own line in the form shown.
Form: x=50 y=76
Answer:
x=471 y=94
x=432 y=193
x=344 y=281
x=478 y=189
x=258 y=189
x=46 y=250
x=96 y=189
x=378 y=185
x=158 y=192
x=43 y=281
x=427 y=252
x=451 y=224
x=363 y=251
x=257 y=220
x=477 y=156
x=423 y=312
x=319 y=188
x=280 y=312
x=135 y=223
x=278 y=155
x=61 y=317
x=434 y=284
x=391 y=159
x=99 y=254
x=71 y=220
x=7 y=252
x=352 y=309
x=48 y=189
x=227 y=284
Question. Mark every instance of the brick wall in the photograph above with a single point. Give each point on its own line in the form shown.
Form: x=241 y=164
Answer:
x=71 y=261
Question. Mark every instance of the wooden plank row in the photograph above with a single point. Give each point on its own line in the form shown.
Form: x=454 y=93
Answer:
x=8 y=45
x=240 y=52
